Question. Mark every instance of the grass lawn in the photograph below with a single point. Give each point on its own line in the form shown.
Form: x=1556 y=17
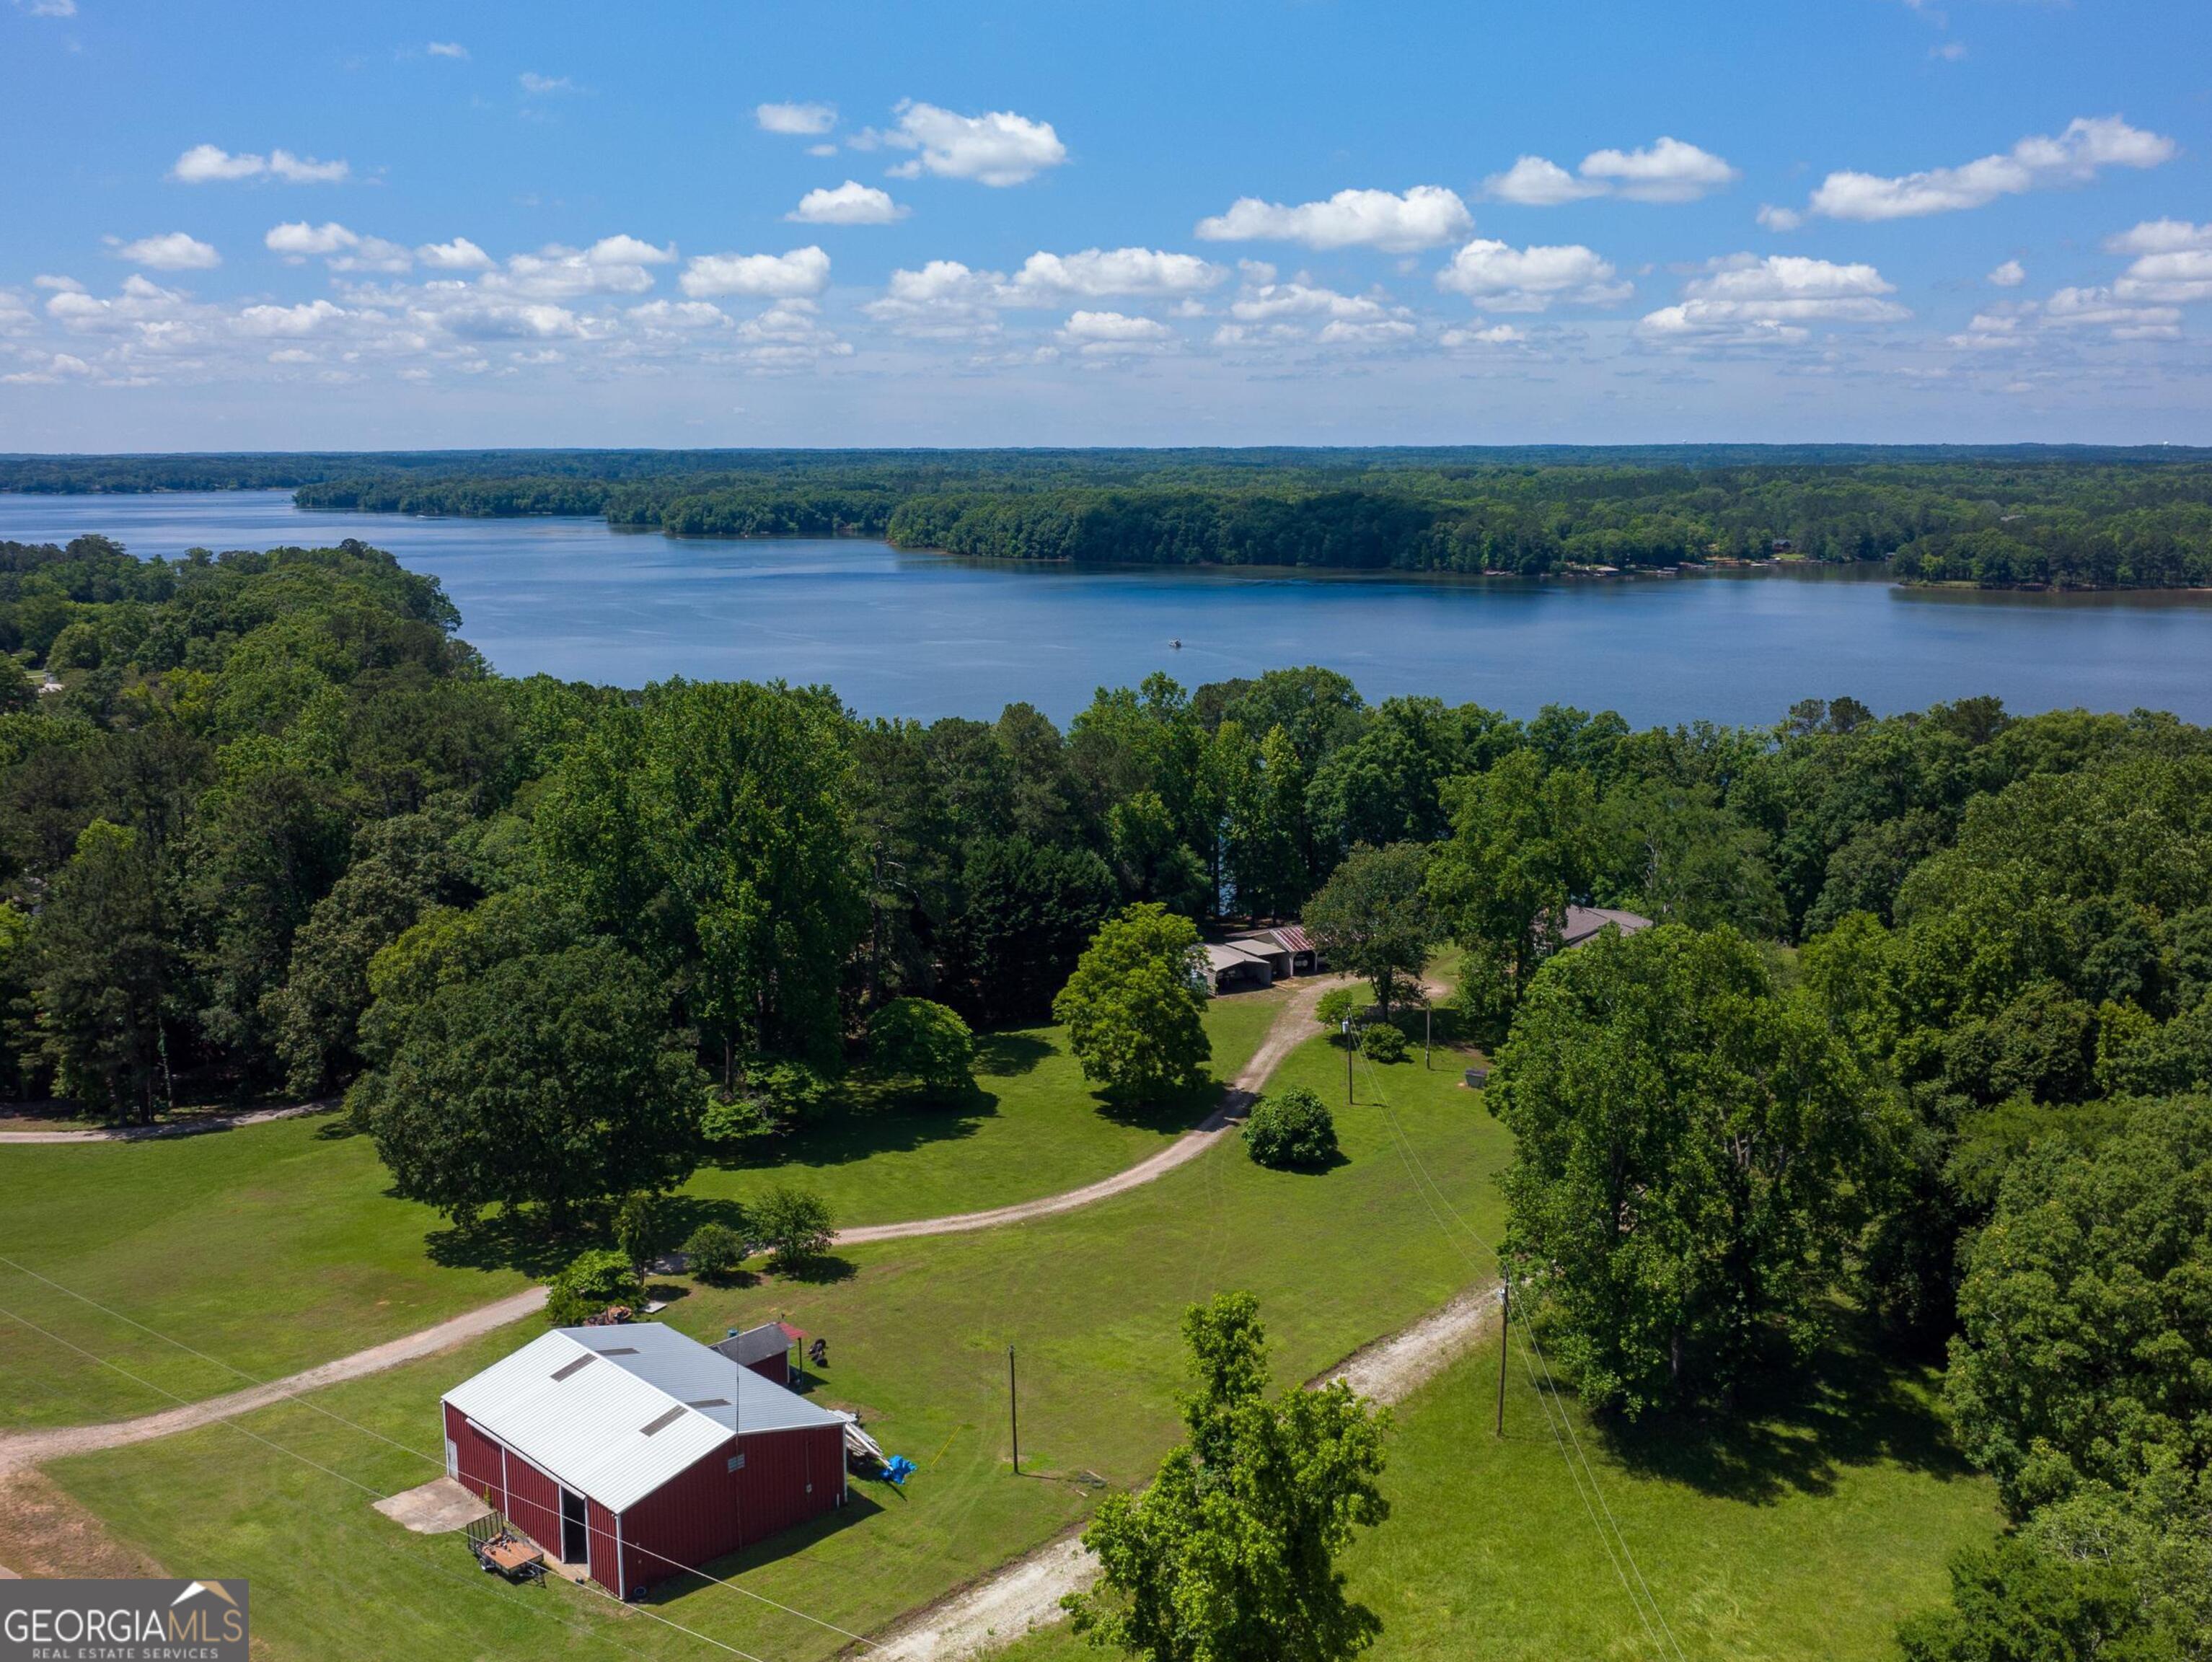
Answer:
x=1804 y=1532
x=275 y=1247
x=917 y=1333
x=1036 y=1129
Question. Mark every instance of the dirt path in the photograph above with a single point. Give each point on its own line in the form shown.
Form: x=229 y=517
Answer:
x=1292 y=1025
x=990 y=1614
x=26 y=1448
x=182 y=1128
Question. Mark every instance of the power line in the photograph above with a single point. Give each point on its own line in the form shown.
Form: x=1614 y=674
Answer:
x=746 y=1656
x=368 y=1431
x=1426 y=1181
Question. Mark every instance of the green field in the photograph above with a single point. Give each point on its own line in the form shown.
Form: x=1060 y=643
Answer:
x=1801 y=1534
x=1036 y=1129
x=1804 y=1532
x=917 y=1333
x=275 y=1247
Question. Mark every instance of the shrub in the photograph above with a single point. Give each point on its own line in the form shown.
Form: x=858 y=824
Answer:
x=916 y=1039
x=1383 y=1043
x=772 y=1097
x=794 y=1225
x=1336 y=1006
x=715 y=1251
x=593 y=1281
x=1291 y=1129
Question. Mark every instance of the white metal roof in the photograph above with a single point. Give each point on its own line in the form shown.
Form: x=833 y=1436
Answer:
x=577 y=1403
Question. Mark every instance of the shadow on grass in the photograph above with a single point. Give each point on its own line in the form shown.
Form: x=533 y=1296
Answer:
x=509 y=1239
x=1794 y=1433
x=1175 y=1113
x=1004 y=1056
x=824 y=1272
x=844 y=1135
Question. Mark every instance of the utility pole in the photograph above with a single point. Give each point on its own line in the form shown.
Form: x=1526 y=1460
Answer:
x=1014 y=1410
x=1504 y=1321
x=1347 y=1062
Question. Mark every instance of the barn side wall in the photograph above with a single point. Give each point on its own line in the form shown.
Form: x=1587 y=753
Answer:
x=708 y=1511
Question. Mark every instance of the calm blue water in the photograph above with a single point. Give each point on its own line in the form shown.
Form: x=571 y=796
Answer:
x=918 y=635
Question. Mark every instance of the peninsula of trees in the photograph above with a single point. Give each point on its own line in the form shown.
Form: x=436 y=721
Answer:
x=2015 y=517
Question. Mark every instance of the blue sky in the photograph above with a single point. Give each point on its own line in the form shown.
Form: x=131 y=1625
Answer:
x=416 y=225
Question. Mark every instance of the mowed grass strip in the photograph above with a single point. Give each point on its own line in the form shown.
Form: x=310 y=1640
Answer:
x=917 y=1334
x=276 y=1247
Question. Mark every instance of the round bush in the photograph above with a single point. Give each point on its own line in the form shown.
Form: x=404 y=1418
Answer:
x=1291 y=1129
x=1383 y=1043
x=714 y=1251
x=593 y=1281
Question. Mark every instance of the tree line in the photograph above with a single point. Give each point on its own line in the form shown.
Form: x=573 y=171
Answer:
x=1924 y=1027
x=1998 y=520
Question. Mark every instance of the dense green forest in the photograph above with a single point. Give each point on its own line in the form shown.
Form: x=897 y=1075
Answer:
x=1924 y=1030
x=2019 y=516
x=1992 y=519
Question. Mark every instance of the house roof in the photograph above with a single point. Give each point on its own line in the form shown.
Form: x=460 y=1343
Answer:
x=615 y=1412
x=1228 y=955
x=1583 y=922
x=1294 y=937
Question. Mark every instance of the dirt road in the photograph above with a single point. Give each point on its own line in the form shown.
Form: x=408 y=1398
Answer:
x=990 y=1614
x=26 y=1448
x=180 y=1128
x=1292 y=1024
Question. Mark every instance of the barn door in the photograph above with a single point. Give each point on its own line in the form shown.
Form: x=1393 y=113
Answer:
x=575 y=1530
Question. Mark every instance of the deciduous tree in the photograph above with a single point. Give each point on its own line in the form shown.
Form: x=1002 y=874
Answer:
x=1133 y=1006
x=1230 y=1556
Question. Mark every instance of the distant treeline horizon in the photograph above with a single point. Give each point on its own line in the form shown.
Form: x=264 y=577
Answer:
x=1998 y=516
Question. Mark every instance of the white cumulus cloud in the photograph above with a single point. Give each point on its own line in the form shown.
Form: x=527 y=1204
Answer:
x=1509 y=279
x=539 y=86
x=2074 y=157
x=1667 y=170
x=263 y=321
x=1096 y=333
x=458 y=255
x=446 y=49
x=208 y=164
x=1744 y=299
x=801 y=119
x=800 y=271
x=1426 y=217
x=945 y=299
x=172 y=250
x=299 y=240
x=1048 y=279
x=998 y=148
x=1533 y=181
x=849 y=203
x=2010 y=275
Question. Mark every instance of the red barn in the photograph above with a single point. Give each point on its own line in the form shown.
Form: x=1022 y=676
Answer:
x=639 y=1453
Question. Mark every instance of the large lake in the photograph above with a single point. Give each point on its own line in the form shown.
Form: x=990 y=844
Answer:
x=923 y=636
